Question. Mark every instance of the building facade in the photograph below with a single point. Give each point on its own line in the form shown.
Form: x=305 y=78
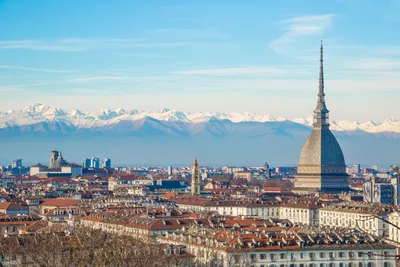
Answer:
x=371 y=219
x=375 y=191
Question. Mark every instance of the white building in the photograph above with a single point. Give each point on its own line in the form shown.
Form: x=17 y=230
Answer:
x=394 y=232
x=301 y=213
x=366 y=217
x=36 y=169
x=284 y=249
x=74 y=169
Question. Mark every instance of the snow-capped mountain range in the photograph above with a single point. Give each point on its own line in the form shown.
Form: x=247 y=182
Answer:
x=39 y=114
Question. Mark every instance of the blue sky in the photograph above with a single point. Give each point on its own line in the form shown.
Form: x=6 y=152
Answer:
x=256 y=56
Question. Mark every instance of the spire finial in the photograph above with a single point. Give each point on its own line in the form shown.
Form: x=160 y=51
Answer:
x=321 y=92
x=321 y=112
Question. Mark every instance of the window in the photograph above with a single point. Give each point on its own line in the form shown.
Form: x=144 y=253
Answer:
x=263 y=256
x=301 y=255
x=341 y=254
x=283 y=256
x=386 y=254
x=322 y=255
x=331 y=255
x=253 y=257
x=312 y=255
x=360 y=254
x=351 y=254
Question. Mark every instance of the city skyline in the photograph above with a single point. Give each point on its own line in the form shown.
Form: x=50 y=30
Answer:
x=138 y=55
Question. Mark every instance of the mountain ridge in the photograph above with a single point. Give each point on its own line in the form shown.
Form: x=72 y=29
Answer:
x=106 y=118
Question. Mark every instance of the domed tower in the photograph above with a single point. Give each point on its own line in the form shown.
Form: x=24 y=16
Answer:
x=321 y=165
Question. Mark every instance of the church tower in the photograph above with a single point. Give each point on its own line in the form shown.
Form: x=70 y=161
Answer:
x=53 y=159
x=321 y=166
x=195 y=179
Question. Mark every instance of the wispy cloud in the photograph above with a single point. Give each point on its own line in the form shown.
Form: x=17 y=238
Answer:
x=77 y=44
x=273 y=71
x=182 y=33
x=143 y=55
x=35 y=84
x=96 y=78
x=30 y=69
x=7 y=89
x=395 y=50
x=161 y=44
x=298 y=27
x=375 y=64
x=73 y=80
x=38 y=45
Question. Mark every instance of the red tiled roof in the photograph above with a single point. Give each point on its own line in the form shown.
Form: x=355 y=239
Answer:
x=59 y=202
x=4 y=205
x=169 y=195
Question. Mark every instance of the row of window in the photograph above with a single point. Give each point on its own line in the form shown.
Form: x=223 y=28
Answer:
x=312 y=255
x=351 y=264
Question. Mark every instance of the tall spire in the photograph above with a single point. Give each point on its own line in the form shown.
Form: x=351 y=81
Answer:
x=321 y=93
x=321 y=118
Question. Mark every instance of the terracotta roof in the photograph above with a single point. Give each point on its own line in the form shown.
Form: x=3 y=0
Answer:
x=169 y=195
x=4 y=205
x=59 y=202
x=33 y=227
x=273 y=189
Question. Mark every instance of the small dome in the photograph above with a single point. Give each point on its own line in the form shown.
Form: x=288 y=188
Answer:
x=321 y=148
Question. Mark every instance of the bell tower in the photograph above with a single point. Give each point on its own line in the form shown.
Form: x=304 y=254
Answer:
x=195 y=179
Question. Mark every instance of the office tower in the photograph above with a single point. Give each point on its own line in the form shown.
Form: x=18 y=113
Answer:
x=107 y=163
x=375 y=167
x=17 y=163
x=169 y=170
x=356 y=168
x=95 y=163
x=86 y=163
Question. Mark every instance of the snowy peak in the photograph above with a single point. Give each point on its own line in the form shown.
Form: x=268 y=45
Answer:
x=36 y=108
x=390 y=120
x=39 y=113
